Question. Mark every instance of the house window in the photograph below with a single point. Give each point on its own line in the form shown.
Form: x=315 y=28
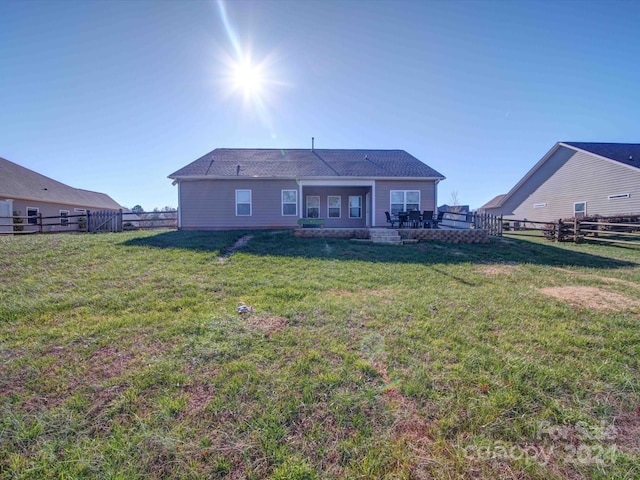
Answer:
x=404 y=200
x=32 y=213
x=79 y=210
x=579 y=209
x=243 y=203
x=334 y=202
x=313 y=206
x=355 y=207
x=64 y=220
x=289 y=202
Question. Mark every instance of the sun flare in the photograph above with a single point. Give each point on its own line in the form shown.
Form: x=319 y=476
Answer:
x=248 y=78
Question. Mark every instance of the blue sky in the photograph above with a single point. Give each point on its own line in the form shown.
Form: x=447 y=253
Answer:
x=114 y=95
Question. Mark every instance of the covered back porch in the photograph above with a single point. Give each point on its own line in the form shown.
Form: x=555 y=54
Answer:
x=337 y=204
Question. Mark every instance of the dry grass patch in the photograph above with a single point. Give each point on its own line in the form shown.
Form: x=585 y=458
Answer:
x=627 y=431
x=268 y=325
x=591 y=298
x=385 y=294
x=503 y=269
x=597 y=277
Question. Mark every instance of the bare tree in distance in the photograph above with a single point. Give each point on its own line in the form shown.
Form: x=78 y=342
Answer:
x=455 y=203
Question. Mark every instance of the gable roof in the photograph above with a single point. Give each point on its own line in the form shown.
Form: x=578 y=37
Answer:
x=18 y=182
x=494 y=202
x=305 y=163
x=625 y=153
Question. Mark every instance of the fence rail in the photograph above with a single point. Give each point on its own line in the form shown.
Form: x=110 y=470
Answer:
x=90 y=221
x=601 y=229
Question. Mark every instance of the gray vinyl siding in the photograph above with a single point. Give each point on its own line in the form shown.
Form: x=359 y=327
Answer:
x=383 y=188
x=49 y=210
x=211 y=204
x=569 y=176
x=344 y=193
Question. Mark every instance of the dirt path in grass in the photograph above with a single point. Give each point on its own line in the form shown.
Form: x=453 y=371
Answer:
x=241 y=242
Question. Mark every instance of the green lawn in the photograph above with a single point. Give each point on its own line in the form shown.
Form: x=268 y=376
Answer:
x=122 y=356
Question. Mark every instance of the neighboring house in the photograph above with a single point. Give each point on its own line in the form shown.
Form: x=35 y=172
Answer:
x=31 y=194
x=575 y=179
x=454 y=216
x=453 y=208
x=273 y=188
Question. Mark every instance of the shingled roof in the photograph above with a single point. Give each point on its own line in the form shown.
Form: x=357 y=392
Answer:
x=305 y=163
x=627 y=153
x=18 y=182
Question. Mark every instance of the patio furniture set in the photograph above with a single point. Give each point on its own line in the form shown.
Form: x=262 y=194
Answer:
x=413 y=219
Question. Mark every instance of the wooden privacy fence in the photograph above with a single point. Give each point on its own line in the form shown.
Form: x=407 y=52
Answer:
x=104 y=221
x=491 y=223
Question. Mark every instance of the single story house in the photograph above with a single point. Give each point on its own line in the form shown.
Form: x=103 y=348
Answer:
x=273 y=188
x=31 y=194
x=453 y=208
x=575 y=179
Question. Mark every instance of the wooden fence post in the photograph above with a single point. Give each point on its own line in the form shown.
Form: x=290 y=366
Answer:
x=88 y=227
x=576 y=229
x=500 y=226
x=40 y=222
x=559 y=231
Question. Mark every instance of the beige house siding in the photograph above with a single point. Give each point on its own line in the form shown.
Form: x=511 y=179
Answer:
x=568 y=177
x=48 y=210
x=211 y=204
x=344 y=193
x=383 y=196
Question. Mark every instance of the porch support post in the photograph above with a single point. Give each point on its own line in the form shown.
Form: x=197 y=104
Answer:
x=300 y=199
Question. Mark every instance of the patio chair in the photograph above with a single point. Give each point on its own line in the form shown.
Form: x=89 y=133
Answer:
x=427 y=219
x=390 y=220
x=403 y=218
x=414 y=218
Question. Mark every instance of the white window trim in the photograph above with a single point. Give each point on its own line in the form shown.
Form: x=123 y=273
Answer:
x=585 y=208
x=282 y=203
x=360 y=205
x=619 y=196
x=404 y=198
x=244 y=203
x=339 y=197
x=307 y=205
x=35 y=217
x=64 y=222
x=80 y=210
x=539 y=205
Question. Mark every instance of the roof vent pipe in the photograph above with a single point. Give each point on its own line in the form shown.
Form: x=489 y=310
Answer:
x=237 y=170
x=312 y=143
